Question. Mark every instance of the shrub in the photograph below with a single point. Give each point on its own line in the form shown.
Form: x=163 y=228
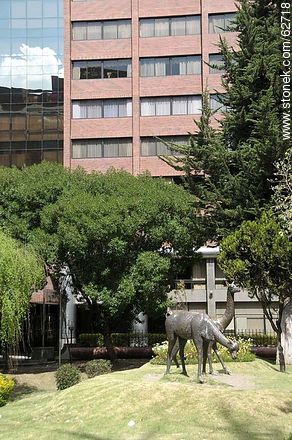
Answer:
x=66 y=376
x=97 y=367
x=243 y=355
x=91 y=339
x=121 y=339
x=6 y=388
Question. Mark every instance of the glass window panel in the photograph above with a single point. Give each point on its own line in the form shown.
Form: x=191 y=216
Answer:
x=125 y=148
x=4 y=158
x=229 y=21
x=5 y=8
x=94 y=30
x=111 y=109
x=18 y=9
x=161 y=66
x=161 y=148
x=147 y=107
x=179 y=66
x=18 y=122
x=34 y=122
x=94 y=109
x=129 y=107
x=50 y=8
x=124 y=68
x=162 y=106
x=216 y=61
x=110 y=30
x=50 y=122
x=215 y=103
x=78 y=70
x=34 y=8
x=4 y=146
x=161 y=27
x=147 y=67
x=178 y=26
x=110 y=69
x=4 y=123
x=216 y=23
x=194 y=105
x=193 y=25
x=18 y=24
x=94 y=69
x=50 y=23
x=123 y=108
x=148 y=147
x=79 y=31
x=147 y=28
x=194 y=65
x=124 y=29
x=110 y=149
x=76 y=110
x=180 y=106
x=94 y=149
x=4 y=24
x=79 y=150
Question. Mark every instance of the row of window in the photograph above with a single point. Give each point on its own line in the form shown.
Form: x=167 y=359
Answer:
x=158 y=106
x=151 y=27
x=102 y=108
x=95 y=69
x=162 y=66
x=94 y=148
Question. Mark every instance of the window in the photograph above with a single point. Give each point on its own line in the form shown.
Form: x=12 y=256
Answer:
x=151 y=146
x=94 y=148
x=101 y=30
x=216 y=104
x=216 y=62
x=177 y=105
x=106 y=108
x=167 y=26
x=101 y=69
x=219 y=23
x=182 y=65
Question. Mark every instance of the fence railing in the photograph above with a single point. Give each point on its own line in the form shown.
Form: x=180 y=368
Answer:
x=141 y=339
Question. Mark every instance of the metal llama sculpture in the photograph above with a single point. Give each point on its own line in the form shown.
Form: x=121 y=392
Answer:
x=222 y=323
x=202 y=330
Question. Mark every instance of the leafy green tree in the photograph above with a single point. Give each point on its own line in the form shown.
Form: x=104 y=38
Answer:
x=21 y=273
x=231 y=172
x=258 y=257
x=121 y=236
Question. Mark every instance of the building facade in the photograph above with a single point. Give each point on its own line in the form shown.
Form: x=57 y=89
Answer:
x=31 y=81
x=135 y=71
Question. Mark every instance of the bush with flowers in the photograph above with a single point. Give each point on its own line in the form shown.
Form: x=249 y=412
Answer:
x=243 y=355
x=6 y=388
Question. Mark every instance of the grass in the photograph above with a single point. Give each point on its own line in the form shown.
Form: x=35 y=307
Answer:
x=163 y=408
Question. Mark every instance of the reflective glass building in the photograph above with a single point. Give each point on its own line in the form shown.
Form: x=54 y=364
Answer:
x=31 y=81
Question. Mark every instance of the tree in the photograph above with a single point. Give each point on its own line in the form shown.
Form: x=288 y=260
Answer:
x=21 y=273
x=250 y=144
x=121 y=236
x=258 y=257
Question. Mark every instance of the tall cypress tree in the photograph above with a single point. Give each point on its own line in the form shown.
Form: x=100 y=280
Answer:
x=238 y=163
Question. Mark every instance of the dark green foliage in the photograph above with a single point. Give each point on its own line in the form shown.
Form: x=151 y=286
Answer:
x=97 y=367
x=120 y=339
x=66 y=376
x=239 y=163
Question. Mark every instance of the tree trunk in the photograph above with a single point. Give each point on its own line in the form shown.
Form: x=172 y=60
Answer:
x=280 y=351
x=108 y=341
x=286 y=334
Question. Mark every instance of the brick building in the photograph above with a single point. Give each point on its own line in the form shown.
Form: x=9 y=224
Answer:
x=134 y=71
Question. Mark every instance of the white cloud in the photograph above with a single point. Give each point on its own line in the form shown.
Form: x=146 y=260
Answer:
x=32 y=68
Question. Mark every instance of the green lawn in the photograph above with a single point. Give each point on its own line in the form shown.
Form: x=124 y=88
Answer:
x=174 y=407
